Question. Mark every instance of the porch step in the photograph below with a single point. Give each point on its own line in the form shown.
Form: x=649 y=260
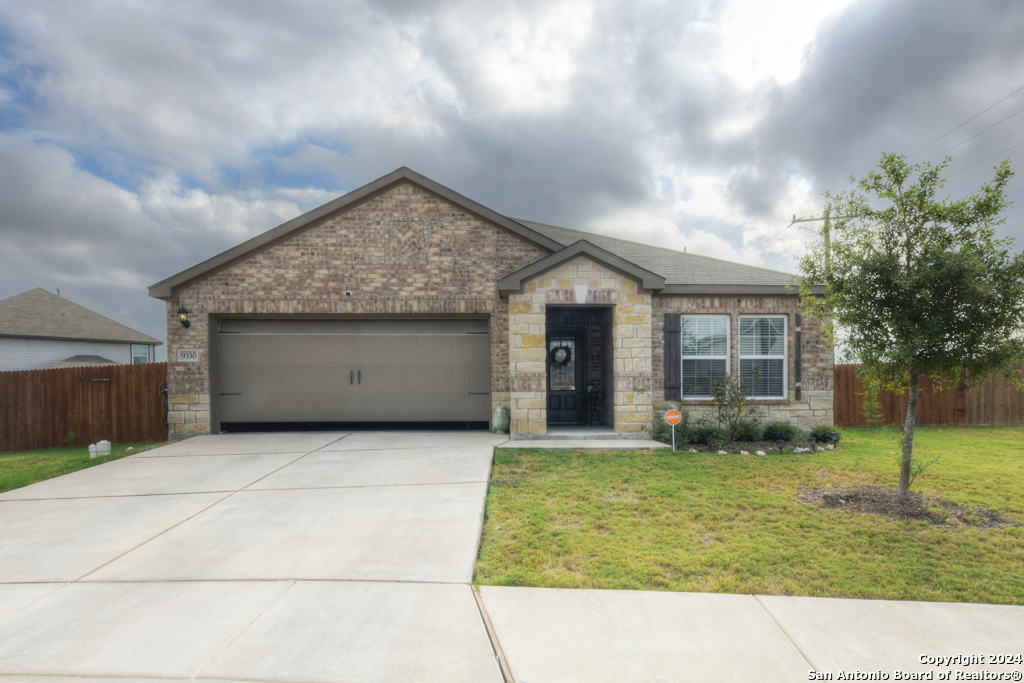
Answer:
x=584 y=444
x=574 y=433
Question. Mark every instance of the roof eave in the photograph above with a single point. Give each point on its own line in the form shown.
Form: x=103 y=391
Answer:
x=648 y=280
x=166 y=288
x=727 y=290
x=150 y=342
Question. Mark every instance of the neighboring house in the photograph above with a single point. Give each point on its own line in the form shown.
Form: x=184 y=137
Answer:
x=39 y=329
x=404 y=301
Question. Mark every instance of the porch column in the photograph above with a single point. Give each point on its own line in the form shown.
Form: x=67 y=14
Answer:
x=527 y=329
x=631 y=336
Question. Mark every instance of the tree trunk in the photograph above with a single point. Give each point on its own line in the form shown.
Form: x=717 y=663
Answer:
x=908 y=432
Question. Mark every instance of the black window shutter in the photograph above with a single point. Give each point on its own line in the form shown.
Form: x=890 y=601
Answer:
x=673 y=376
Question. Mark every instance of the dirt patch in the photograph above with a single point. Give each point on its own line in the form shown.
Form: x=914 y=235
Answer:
x=887 y=501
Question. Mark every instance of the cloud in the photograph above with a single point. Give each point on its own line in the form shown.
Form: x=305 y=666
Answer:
x=137 y=139
x=103 y=245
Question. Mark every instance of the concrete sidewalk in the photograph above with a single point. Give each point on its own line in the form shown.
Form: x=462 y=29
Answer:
x=588 y=636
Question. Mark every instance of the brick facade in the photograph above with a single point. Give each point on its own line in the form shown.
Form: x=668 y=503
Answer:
x=405 y=251
x=815 y=404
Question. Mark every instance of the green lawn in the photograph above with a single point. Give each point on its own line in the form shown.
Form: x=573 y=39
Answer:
x=28 y=467
x=657 y=520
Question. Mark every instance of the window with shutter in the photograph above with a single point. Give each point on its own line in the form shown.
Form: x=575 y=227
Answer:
x=704 y=353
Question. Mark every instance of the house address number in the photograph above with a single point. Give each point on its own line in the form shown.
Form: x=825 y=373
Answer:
x=188 y=355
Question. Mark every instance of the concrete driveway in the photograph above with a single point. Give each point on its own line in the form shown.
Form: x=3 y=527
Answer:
x=284 y=557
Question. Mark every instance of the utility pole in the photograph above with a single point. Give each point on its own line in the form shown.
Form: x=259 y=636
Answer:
x=826 y=232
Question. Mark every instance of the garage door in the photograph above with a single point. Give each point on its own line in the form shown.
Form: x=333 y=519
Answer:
x=353 y=370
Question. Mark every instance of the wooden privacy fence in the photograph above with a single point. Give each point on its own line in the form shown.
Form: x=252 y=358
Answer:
x=996 y=402
x=120 y=403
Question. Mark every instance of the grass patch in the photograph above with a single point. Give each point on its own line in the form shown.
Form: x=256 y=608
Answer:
x=657 y=520
x=28 y=467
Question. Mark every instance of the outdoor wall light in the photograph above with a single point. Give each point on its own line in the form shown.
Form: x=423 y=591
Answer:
x=780 y=443
x=183 y=317
x=835 y=439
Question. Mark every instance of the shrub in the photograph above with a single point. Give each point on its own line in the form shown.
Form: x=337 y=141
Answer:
x=871 y=405
x=823 y=432
x=730 y=399
x=704 y=430
x=748 y=430
x=774 y=431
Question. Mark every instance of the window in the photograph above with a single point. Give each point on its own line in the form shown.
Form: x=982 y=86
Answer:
x=763 y=355
x=705 y=345
x=140 y=353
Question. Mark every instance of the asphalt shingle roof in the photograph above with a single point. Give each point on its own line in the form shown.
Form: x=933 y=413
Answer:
x=80 y=362
x=42 y=314
x=678 y=268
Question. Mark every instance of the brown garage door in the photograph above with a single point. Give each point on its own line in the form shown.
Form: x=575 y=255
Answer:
x=353 y=370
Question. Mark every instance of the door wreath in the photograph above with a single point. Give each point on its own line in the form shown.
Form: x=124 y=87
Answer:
x=560 y=356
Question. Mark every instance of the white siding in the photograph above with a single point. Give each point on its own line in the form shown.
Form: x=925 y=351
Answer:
x=33 y=354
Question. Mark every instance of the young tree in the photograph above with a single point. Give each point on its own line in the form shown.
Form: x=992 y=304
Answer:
x=919 y=285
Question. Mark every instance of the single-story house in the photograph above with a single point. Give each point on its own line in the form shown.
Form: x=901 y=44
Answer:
x=405 y=302
x=40 y=329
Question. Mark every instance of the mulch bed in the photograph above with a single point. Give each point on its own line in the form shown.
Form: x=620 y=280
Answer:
x=735 y=447
x=887 y=501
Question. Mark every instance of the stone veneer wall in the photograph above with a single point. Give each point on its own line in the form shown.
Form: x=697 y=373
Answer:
x=632 y=381
x=815 y=404
x=405 y=251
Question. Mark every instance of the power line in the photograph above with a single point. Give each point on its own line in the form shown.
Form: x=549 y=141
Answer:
x=796 y=220
x=802 y=220
x=968 y=120
x=977 y=134
x=986 y=159
x=784 y=229
x=778 y=261
x=1015 y=192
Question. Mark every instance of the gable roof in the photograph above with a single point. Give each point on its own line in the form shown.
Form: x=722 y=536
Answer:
x=646 y=279
x=167 y=288
x=681 y=272
x=684 y=273
x=40 y=314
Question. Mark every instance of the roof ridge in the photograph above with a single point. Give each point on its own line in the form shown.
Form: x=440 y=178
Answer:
x=80 y=310
x=654 y=246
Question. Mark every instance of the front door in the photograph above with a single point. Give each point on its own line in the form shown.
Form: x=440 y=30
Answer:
x=566 y=393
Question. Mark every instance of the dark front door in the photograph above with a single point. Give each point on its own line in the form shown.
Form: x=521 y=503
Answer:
x=566 y=392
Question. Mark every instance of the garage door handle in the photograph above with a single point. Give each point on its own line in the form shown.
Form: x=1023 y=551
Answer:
x=350 y=378
x=360 y=374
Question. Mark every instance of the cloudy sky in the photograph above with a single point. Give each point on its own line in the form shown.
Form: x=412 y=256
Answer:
x=138 y=138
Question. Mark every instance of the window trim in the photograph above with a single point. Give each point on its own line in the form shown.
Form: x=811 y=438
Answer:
x=740 y=356
x=683 y=357
x=147 y=347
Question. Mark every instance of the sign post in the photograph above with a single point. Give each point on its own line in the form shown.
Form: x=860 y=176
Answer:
x=673 y=417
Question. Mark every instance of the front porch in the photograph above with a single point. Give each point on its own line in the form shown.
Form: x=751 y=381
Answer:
x=580 y=355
